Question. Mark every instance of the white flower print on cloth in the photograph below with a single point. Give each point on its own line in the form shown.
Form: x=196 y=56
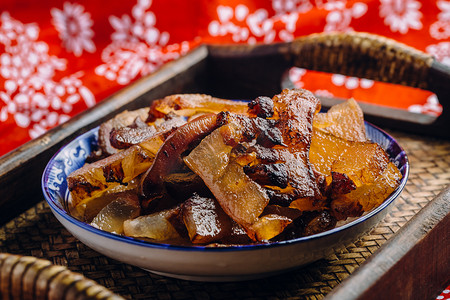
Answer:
x=431 y=107
x=351 y=83
x=323 y=93
x=256 y=25
x=141 y=29
x=124 y=61
x=290 y=21
x=295 y=76
x=441 y=52
x=244 y=26
x=284 y=6
x=401 y=15
x=444 y=6
x=74 y=28
x=30 y=95
x=440 y=29
x=138 y=47
x=341 y=16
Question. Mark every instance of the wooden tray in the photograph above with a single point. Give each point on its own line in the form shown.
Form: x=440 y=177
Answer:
x=246 y=72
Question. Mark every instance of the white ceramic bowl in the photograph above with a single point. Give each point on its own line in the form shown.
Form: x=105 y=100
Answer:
x=207 y=263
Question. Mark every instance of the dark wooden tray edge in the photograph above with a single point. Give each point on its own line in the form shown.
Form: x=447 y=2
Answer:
x=409 y=265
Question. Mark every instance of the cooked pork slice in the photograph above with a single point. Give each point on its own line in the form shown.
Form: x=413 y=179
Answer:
x=121 y=120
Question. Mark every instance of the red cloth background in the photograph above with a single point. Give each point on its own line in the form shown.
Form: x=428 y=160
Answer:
x=58 y=58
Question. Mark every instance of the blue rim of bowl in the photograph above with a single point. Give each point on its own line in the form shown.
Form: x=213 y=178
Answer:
x=391 y=142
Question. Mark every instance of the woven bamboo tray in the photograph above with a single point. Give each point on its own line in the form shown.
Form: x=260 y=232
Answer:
x=28 y=277
x=29 y=228
x=37 y=233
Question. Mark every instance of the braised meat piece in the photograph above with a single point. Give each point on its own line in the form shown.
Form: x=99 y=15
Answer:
x=189 y=105
x=261 y=107
x=121 y=120
x=205 y=220
x=125 y=137
x=269 y=174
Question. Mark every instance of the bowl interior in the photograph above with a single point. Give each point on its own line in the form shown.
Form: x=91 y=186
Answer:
x=73 y=155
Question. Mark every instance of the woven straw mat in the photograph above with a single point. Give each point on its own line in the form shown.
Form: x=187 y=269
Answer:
x=37 y=233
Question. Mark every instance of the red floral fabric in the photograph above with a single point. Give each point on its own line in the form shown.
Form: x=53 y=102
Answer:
x=445 y=295
x=57 y=58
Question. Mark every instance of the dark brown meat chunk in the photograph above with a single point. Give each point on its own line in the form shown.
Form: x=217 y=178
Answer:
x=269 y=174
x=125 y=137
x=121 y=120
x=278 y=198
x=309 y=223
x=323 y=221
x=342 y=209
x=261 y=107
x=205 y=220
x=270 y=137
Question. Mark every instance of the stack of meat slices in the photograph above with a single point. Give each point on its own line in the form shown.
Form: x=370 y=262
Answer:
x=194 y=169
